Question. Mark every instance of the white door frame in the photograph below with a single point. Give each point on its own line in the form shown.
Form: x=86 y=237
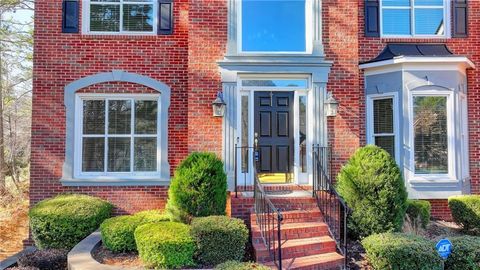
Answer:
x=299 y=177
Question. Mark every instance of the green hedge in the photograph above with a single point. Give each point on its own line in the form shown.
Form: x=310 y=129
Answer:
x=198 y=189
x=165 y=245
x=235 y=265
x=465 y=253
x=401 y=252
x=465 y=210
x=372 y=186
x=418 y=211
x=219 y=239
x=63 y=221
x=118 y=232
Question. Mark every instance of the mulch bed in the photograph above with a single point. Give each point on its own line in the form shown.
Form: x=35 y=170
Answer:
x=127 y=259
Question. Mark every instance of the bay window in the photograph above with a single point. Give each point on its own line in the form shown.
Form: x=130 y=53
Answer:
x=121 y=16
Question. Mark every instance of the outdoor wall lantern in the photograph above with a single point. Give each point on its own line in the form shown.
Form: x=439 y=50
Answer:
x=219 y=105
x=331 y=105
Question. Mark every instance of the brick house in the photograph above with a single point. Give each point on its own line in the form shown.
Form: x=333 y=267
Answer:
x=131 y=84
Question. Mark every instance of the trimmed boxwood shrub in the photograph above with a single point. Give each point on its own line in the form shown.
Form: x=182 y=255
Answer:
x=465 y=253
x=63 y=221
x=219 y=239
x=198 y=188
x=48 y=259
x=165 y=245
x=465 y=210
x=118 y=232
x=418 y=212
x=235 y=265
x=401 y=252
x=372 y=186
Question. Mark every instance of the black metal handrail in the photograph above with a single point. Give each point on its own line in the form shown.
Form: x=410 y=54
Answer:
x=269 y=220
x=334 y=209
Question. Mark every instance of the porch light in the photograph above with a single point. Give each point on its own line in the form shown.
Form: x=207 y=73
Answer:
x=219 y=105
x=331 y=105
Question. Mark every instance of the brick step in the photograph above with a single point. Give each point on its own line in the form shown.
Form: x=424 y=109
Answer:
x=323 y=261
x=294 y=230
x=295 y=216
x=293 y=248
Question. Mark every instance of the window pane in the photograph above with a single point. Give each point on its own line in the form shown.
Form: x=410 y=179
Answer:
x=93 y=117
x=383 y=116
x=138 y=18
x=429 y=2
x=303 y=132
x=387 y=143
x=396 y=3
x=118 y=154
x=429 y=21
x=145 y=155
x=146 y=117
x=93 y=150
x=104 y=18
x=119 y=116
x=245 y=151
x=396 y=21
x=275 y=83
x=273 y=25
x=430 y=138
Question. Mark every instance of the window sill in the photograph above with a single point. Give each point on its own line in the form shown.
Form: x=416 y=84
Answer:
x=122 y=36
x=412 y=39
x=78 y=182
x=441 y=180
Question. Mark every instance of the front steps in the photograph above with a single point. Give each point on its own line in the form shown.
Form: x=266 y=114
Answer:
x=306 y=241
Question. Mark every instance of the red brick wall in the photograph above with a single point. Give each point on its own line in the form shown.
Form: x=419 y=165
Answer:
x=62 y=58
x=369 y=47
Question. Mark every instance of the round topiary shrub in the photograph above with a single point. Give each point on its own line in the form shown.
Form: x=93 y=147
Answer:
x=465 y=210
x=401 y=252
x=118 y=232
x=165 y=245
x=219 y=239
x=418 y=213
x=198 y=189
x=48 y=259
x=235 y=265
x=465 y=253
x=63 y=221
x=372 y=186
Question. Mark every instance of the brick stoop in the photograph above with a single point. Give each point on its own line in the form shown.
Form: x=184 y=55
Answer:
x=306 y=241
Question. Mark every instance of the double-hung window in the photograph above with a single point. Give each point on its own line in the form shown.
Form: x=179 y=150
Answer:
x=121 y=16
x=382 y=123
x=117 y=137
x=414 y=17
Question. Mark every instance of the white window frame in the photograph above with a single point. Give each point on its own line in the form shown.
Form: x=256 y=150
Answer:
x=308 y=32
x=105 y=175
x=396 y=126
x=446 y=20
x=451 y=175
x=86 y=18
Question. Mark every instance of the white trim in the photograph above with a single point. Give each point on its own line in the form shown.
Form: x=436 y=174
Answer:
x=450 y=177
x=308 y=33
x=396 y=123
x=86 y=18
x=446 y=20
x=459 y=60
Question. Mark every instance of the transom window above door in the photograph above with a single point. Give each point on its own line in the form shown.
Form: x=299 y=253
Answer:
x=269 y=26
x=121 y=16
x=414 y=18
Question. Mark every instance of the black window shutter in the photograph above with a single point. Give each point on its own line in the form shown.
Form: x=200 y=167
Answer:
x=70 y=16
x=165 y=17
x=372 y=18
x=460 y=18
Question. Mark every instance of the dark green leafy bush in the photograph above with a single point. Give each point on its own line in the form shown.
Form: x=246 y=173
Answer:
x=235 y=265
x=48 y=259
x=466 y=211
x=165 y=245
x=465 y=253
x=219 y=239
x=198 y=189
x=63 y=221
x=418 y=212
x=401 y=252
x=372 y=186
